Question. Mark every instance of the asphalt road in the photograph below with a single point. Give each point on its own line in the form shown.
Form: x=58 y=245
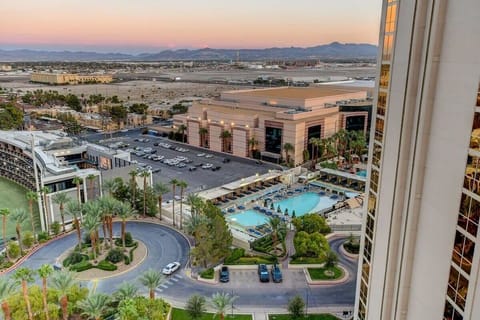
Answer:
x=166 y=245
x=200 y=179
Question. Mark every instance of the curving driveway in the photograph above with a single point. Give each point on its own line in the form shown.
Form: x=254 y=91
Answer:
x=166 y=245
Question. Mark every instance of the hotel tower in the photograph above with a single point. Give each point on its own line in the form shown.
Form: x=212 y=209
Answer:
x=420 y=253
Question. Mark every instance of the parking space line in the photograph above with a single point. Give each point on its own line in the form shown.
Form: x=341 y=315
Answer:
x=174 y=279
x=169 y=282
x=164 y=286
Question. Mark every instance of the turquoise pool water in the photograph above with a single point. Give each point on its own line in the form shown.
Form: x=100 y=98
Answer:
x=305 y=203
x=362 y=173
x=248 y=218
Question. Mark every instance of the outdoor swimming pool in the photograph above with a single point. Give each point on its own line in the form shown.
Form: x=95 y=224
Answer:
x=362 y=173
x=248 y=218
x=305 y=203
x=302 y=204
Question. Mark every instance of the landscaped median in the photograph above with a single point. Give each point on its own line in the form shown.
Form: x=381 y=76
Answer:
x=323 y=316
x=180 y=314
x=326 y=275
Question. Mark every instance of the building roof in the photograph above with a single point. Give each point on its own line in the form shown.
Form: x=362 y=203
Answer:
x=297 y=92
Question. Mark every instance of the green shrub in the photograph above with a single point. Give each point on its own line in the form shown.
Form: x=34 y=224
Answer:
x=115 y=255
x=55 y=226
x=208 y=273
x=128 y=240
x=235 y=254
x=42 y=237
x=81 y=266
x=27 y=239
x=105 y=265
x=74 y=258
x=135 y=246
x=87 y=240
x=13 y=250
x=126 y=259
x=353 y=248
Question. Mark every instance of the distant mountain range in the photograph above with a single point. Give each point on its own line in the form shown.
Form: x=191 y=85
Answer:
x=334 y=50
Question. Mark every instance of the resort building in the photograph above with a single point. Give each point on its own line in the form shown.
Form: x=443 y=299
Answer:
x=69 y=78
x=262 y=121
x=420 y=252
x=49 y=162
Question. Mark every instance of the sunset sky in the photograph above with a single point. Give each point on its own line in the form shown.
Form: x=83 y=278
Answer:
x=152 y=25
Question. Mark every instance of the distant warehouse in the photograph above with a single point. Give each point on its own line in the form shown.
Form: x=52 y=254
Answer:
x=69 y=78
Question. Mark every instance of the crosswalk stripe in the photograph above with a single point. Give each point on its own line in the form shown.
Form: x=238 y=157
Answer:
x=158 y=290
x=169 y=282
x=174 y=279
x=164 y=286
x=178 y=276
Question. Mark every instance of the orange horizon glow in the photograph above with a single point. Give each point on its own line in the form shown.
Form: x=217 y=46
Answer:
x=212 y=23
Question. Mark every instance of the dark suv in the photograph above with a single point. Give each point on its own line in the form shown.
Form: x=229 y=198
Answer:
x=224 y=274
x=276 y=273
x=263 y=273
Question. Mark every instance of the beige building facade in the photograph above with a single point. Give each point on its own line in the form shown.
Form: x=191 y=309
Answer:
x=265 y=120
x=420 y=252
x=69 y=78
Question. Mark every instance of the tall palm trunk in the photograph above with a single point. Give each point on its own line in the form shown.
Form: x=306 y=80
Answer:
x=44 y=298
x=78 y=194
x=152 y=294
x=6 y=311
x=19 y=237
x=27 y=300
x=94 y=245
x=181 y=210
x=62 y=216
x=64 y=306
x=110 y=230
x=124 y=223
x=104 y=230
x=144 y=197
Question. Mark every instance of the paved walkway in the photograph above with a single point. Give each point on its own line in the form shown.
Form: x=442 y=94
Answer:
x=290 y=248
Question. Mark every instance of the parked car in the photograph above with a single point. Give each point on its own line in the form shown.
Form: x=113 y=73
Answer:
x=208 y=156
x=276 y=273
x=216 y=168
x=224 y=274
x=192 y=168
x=207 y=166
x=171 y=268
x=263 y=273
x=200 y=154
x=226 y=160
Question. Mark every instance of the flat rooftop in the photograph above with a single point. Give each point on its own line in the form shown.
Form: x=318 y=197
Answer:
x=296 y=92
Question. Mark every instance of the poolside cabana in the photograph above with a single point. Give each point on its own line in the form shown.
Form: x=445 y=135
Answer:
x=342 y=178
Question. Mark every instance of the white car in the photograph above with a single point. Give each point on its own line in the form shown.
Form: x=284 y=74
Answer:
x=207 y=166
x=200 y=154
x=208 y=156
x=171 y=268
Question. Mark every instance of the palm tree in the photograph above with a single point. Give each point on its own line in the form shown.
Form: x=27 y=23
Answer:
x=133 y=184
x=77 y=181
x=195 y=306
x=124 y=211
x=74 y=209
x=151 y=279
x=94 y=306
x=44 y=272
x=194 y=201
x=63 y=281
x=252 y=143
x=91 y=179
x=44 y=191
x=108 y=207
x=91 y=224
x=19 y=215
x=160 y=189
x=274 y=224
x=183 y=185
x=174 y=183
x=4 y=212
x=125 y=291
x=145 y=174
x=220 y=302
x=226 y=135
x=25 y=275
x=110 y=186
x=61 y=198
x=8 y=287
x=193 y=223
x=288 y=147
x=31 y=198
x=203 y=134
x=181 y=130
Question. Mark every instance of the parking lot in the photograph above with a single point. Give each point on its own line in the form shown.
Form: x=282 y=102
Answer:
x=292 y=278
x=210 y=167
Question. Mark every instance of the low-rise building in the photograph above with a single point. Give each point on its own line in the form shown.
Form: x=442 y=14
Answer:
x=69 y=78
x=266 y=120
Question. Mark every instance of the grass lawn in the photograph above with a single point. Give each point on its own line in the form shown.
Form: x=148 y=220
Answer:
x=308 y=317
x=180 y=314
x=307 y=260
x=12 y=196
x=251 y=260
x=323 y=273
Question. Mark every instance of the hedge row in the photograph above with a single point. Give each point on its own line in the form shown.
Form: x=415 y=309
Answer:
x=85 y=265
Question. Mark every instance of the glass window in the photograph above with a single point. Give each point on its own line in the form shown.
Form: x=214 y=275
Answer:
x=471 y=180
x=367 y=251
x=374 y=181
x=457 y=287
x=369 y=228
x=391 y=17
x=377 y=155
x=475 y=137
x=382 y=103
x=365 y=271
x=273 y=139
x=379 y=128
x=478 y=96
x=450 y=313
x=463 y=252
x=372 y=202
x=384 y=75
x=469 y=215
x=387 y=47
